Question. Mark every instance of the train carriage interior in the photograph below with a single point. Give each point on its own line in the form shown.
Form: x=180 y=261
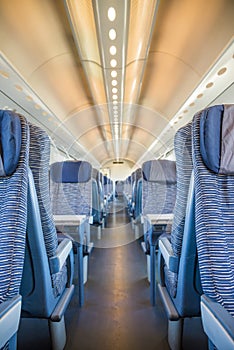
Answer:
x=116 y=174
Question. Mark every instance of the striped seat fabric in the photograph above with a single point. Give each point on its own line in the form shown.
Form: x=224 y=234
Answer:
x=136 y=177
x=213 y=135
x=158 y=191
x=71 y=186
x=46 y=286
x=158 y=197
x=179 y=282
x=184 y=166
x=39 y=158
x=14 y=135
x=158 y=187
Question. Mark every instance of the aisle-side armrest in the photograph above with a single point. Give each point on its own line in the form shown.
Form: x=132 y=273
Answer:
x=9 y=318
x=63 y=251
x=218 y=324
x=171 y=261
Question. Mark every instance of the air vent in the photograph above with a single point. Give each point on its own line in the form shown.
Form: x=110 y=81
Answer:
x=118 y=162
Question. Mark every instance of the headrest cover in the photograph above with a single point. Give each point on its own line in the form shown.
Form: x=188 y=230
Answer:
x=161 y=171
x=10 y=142
x=217 y=138
x=71 y=171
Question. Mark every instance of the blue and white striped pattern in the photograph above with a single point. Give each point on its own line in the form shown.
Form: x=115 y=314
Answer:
x=13 y=218
x=137 y=176
x=71 y=198
x=39 y=157
x=158 y=197
x=184 y=166
x=214 y=210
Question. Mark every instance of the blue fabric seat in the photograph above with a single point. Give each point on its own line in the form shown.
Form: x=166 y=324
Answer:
x=48 y=269
x=158 y=197
x=71 y=185
x=138 y=204
x=158 y=190
x=179 y=284
x=136 y=177
x=213 y=145
x=97 y=204
x=107 y=184
x=14 y=145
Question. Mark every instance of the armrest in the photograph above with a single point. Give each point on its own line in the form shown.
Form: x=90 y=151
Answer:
x=171 y=261
x=218 y=323
x=9 y=318
x=64 y=249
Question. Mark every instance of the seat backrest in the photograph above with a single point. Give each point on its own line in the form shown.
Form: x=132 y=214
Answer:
x=158 y=186
x=213 y=158
x=96 y=203
x=180 y=283
x=14 y=137
x=71 y=185
x=39 y=157
x=137 y=176
x=41 y=288
x=98 y=177
x=138 y=205
x=184 y=167
x=14 y=148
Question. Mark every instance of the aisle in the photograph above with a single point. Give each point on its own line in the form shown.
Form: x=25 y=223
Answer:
x=117 y=314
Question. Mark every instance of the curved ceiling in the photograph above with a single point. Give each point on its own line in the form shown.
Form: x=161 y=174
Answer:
x=55 y=67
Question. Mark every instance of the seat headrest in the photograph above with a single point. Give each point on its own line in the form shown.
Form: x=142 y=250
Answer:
x=10 y=142
x=71 y=171
x=217 y=138
x=161 y=171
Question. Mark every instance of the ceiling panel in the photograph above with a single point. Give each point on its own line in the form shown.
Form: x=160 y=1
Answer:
x=53 y=54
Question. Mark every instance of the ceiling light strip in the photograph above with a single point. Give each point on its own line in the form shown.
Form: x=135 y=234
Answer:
x=112 y=18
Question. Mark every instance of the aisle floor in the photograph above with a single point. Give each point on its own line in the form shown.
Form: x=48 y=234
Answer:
x=117 y=313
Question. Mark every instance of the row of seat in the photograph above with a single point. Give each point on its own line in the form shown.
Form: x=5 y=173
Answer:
x=37 y=257
x=196 y=257
x=36 y=268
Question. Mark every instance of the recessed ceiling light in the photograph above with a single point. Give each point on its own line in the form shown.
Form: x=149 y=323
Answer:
x=222 y=71
x=115 y=97
x=112 y=34
x=113 y=73
x=18 y=87
x=114 y=90
x=192 y=104
x=199 y=96
x=113 y=50
x=209 y=85
x=114 y=82
x=37 y=106
x=115 y=102
x=4 y=74
x=111 y=14
x=113 y=63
